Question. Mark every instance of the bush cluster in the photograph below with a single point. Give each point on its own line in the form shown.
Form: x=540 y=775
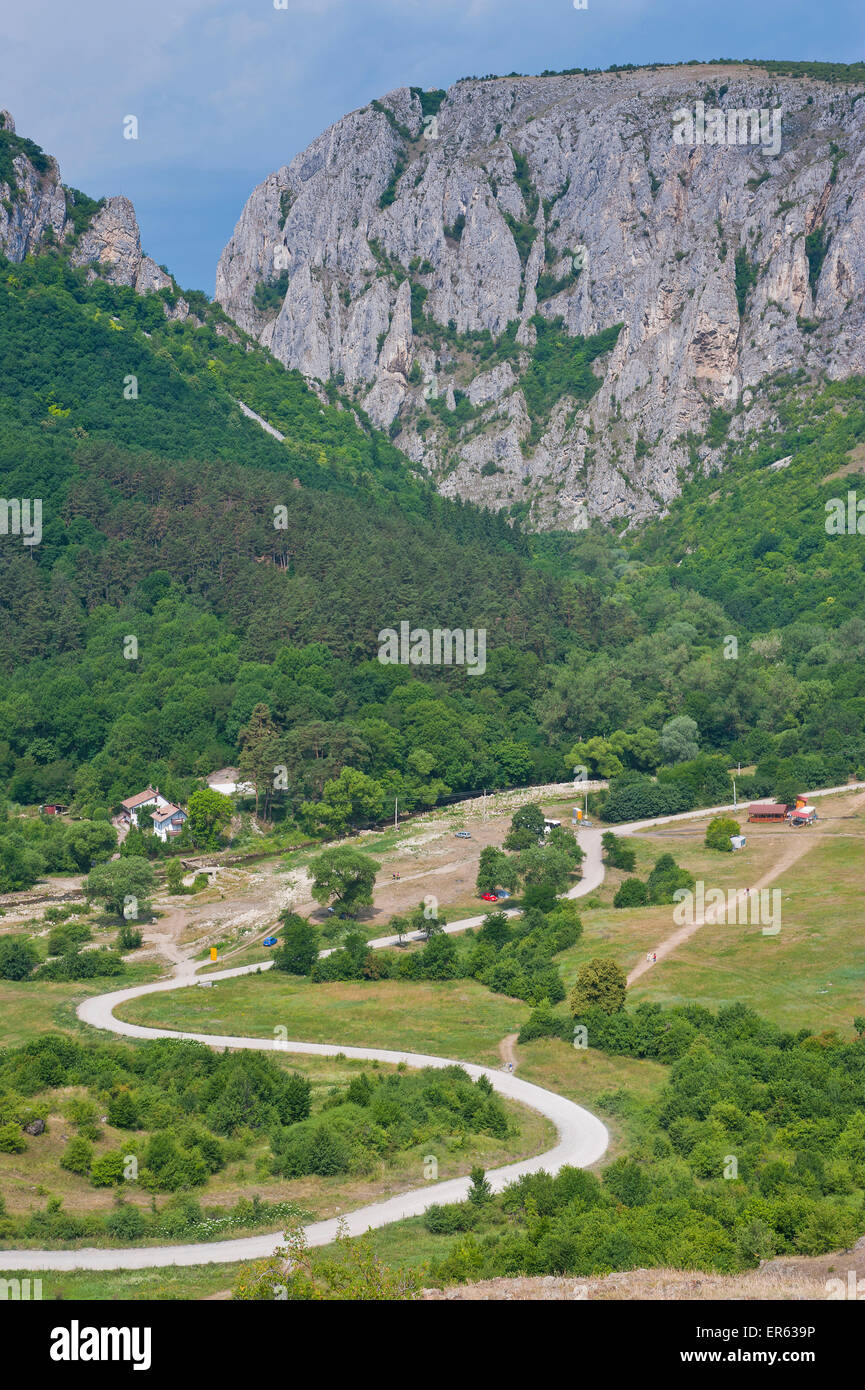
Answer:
x=665 y=880
x=789 y=1107
x=377 y=1116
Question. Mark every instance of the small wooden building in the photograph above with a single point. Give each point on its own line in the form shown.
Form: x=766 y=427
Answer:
x=767 y=811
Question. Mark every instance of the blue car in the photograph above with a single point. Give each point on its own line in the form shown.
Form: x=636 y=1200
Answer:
x=269 y=941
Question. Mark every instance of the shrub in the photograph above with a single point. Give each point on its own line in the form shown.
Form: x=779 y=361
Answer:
x=456 y=1216
x=82 y=965
x=631 y=893
x=746 y=278
x=17 y=958
x=77 y=1156
x=297 y=1091
x=122 y=1111
x=666 y=879
x=12 y=1141
x=634 y=796
x=439 y=958
x=316 y=1147
x=64 y=938
x=480 y=1190
x=718 y=833
x=627 y=1181
x=388 y=195
x=600 y=981
x=174 y=873
x=126 y=1222
x=565 y=924
x=269 y=294
x=107 y=1170
x=616 y=853
x=543 y=1023
x=179 y=1216
x=299 y=950
x=541 y=896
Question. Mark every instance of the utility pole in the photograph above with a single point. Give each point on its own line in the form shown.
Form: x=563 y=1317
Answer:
x=395 y=805
x=485 y=803
x=735 y=802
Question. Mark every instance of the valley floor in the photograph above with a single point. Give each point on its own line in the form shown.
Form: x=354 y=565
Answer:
x=796 y=961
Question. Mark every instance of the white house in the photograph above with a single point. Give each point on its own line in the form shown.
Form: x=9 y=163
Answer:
x=148 y=800
x=168 y=821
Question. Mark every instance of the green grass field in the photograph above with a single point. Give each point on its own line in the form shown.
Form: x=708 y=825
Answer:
x=31 y=1007
x=812 y=974
x=454 y=1018
x=151 y=1285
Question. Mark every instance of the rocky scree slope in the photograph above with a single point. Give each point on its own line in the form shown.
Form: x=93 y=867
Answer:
x=548 y=302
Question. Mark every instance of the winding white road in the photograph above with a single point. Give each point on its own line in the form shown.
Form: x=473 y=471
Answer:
x=582 y=1138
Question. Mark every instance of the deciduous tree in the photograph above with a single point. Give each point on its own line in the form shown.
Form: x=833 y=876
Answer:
x=344 y=876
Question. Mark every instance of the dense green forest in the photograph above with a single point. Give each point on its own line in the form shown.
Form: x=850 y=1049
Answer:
x=743 y=612
x=247 y=570
x=251 y=572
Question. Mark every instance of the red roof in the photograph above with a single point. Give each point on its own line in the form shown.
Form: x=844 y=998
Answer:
x=132 y=801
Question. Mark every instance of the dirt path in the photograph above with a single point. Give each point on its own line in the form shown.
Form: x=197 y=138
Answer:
x=246 y=903
x=716 y=914
x=507 y=1050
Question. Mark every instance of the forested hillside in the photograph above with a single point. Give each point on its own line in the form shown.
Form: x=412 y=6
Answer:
x=159 y=523
x=746 y=610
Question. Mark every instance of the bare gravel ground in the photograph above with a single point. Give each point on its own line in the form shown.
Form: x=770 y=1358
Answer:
x=788 y=1279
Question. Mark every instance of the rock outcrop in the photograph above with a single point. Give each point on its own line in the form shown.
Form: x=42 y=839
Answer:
x=407 y=251
x=36 y=209
x=112 y=244
x=32 y=201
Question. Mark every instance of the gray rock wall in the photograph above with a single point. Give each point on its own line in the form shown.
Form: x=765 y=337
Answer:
x=660 y=222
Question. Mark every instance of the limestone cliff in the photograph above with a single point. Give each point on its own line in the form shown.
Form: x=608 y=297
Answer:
x=407 y=252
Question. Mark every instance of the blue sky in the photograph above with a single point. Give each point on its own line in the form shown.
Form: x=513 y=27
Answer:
x=227 y=90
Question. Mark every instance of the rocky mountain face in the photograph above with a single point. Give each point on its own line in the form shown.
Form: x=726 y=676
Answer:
x=557 y=294
x=36 y=208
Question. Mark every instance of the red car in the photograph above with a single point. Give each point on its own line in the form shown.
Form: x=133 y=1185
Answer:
x=489 y=898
